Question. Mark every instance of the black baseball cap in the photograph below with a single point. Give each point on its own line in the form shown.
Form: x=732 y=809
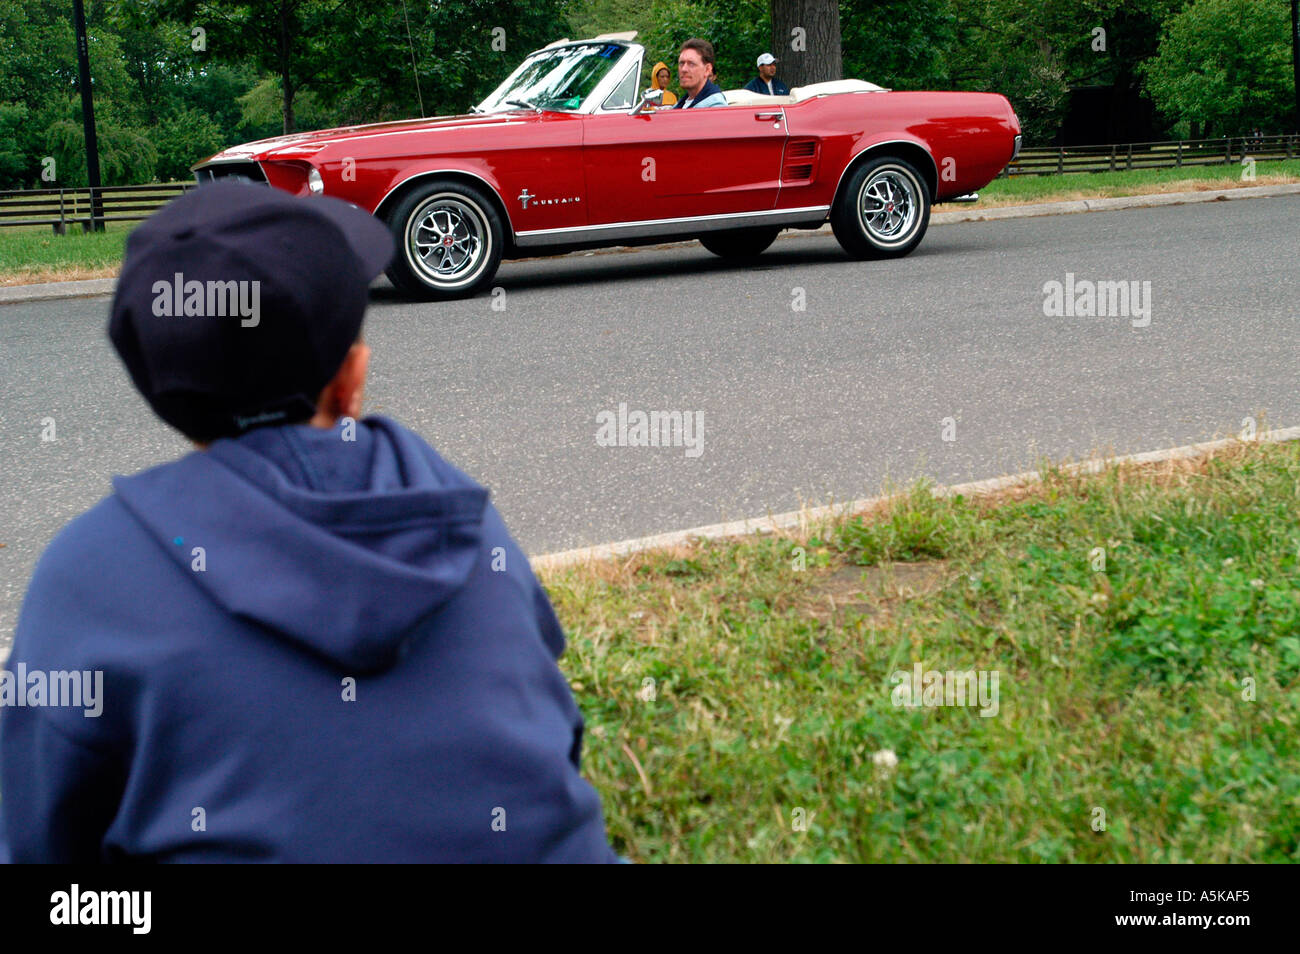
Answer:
x=237 y=304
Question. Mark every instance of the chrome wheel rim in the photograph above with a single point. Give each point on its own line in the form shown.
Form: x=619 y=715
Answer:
x=447 y=240
x=889 y=206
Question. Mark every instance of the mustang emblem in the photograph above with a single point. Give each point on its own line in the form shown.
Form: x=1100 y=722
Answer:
x=525 y=197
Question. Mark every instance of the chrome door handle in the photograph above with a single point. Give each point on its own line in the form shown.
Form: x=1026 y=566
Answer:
x=768 y=117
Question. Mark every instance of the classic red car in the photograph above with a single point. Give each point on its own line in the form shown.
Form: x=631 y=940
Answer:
x=565 y=155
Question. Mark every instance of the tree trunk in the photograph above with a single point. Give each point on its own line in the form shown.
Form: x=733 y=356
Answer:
x=286 y=80
x=1295 y=57
x=806 y=41
x=287 y=85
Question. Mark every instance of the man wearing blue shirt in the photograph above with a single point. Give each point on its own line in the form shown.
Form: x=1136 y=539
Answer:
x=766 y=82
x=695 y=74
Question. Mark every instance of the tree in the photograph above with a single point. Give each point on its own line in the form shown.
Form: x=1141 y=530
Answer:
x=286 y=38
x=1225 y=64
x=739 y=31
x=902 y=44
x=1014 y=47
x=1295 y=58
x=806 y=39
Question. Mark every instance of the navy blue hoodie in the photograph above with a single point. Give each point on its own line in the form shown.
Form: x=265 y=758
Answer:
x=313 y=649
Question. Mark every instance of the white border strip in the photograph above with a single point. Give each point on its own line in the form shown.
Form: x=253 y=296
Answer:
x=802 y=519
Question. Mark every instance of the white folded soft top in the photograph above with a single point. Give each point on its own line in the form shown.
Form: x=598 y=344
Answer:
x=745 y=97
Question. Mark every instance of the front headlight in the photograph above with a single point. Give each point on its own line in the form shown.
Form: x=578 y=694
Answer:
x=317 y=185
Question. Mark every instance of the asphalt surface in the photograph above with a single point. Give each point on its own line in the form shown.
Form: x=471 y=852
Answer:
x=798 y=407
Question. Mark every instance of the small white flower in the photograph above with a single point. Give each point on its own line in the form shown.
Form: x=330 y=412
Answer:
x=885 y=759
x=1257 y=584
x=637 y=615
x=1229 y=562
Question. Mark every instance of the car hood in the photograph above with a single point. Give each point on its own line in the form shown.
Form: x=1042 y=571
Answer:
x=299 y=145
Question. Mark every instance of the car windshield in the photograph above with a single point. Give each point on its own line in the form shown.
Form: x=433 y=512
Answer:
x=560 y=78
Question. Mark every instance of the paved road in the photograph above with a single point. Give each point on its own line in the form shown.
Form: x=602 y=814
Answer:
x=798 y=406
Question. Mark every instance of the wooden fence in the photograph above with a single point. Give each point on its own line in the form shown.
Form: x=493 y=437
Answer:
x=1051 y=160
x=61 y=208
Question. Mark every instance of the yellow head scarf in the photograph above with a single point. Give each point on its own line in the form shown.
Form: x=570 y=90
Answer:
x=669 y=98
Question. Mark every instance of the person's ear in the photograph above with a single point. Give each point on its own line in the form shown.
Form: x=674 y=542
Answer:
x=352 y=380
x=343 y=395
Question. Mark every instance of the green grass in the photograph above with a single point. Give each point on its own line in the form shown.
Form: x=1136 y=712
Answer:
x=1049 y=188
x=32 y=252
x=1121 y=690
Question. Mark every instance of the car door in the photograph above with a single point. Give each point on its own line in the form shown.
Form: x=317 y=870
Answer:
x=682 y=163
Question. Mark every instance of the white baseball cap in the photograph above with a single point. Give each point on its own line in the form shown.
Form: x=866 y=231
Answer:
x=766 y=58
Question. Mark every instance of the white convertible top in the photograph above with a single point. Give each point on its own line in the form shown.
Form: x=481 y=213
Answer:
x=745 y=97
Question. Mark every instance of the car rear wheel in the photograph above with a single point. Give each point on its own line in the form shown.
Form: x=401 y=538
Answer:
x=739 y=243
x=883 y=211
x=449 y=241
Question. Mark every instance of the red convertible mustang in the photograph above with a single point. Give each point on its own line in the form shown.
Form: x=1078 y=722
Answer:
x=565 y=155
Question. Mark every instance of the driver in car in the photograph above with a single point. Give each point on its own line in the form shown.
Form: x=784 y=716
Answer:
x=695 y=76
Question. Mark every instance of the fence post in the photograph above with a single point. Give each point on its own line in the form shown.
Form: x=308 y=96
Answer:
x=1112 y=158
x=1180 y=154
x=1227 y=154
x=61 y=226
x=1060 y=161
x=1129 y=167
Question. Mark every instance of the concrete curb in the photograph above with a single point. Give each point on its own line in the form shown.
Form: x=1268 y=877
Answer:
x=1112 y=205
x=803 y=519
x=13 y=294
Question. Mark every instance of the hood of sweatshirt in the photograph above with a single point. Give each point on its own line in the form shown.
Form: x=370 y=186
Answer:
x=341 y=541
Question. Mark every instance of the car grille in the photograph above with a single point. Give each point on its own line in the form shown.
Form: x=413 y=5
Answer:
x=246 y=171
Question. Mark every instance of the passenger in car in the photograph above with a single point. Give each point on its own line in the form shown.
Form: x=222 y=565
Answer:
x=659 y=80
x=695 y=65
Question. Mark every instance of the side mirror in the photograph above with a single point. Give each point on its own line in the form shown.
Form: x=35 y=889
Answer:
x=651 y=97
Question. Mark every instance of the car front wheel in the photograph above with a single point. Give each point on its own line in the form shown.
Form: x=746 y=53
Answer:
x=449 y=241
x=883 y=211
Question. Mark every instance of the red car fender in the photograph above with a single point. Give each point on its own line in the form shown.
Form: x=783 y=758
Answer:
x=912 y=148
x=477 y=173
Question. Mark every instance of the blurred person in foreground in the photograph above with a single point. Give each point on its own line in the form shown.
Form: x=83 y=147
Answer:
x=317 y=640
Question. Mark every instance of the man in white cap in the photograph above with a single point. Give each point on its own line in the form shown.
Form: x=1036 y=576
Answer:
x=766 y=82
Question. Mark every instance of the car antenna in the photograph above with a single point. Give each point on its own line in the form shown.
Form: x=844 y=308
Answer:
x=414 y=71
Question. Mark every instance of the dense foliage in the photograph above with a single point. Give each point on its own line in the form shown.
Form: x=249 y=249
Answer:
x=178 y=79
